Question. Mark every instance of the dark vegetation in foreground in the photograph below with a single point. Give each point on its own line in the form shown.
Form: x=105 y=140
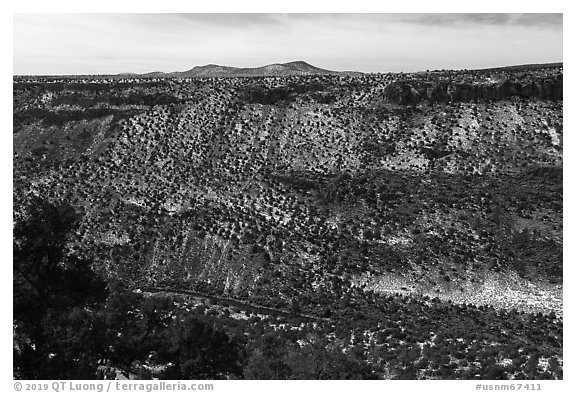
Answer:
x=70 y=323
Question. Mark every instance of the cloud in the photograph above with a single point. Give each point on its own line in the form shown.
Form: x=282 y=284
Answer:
x=231 y=20
x=542 y=20
x=555 y=20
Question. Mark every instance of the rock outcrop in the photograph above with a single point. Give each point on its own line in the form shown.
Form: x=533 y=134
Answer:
x=411 y=91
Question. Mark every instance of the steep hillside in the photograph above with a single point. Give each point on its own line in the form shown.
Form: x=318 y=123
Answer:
x=342 y=197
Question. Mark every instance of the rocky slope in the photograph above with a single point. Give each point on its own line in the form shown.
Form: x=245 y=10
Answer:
x=317 y=193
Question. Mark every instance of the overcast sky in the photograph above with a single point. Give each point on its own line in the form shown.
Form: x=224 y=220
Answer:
x=114 y=43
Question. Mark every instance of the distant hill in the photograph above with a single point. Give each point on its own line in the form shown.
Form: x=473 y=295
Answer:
x=277 y=69
x=525 y=67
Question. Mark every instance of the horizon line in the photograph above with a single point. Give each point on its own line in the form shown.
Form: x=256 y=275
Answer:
x=128 y=73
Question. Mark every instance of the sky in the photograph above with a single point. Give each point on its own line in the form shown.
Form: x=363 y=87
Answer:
x=57 y=44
